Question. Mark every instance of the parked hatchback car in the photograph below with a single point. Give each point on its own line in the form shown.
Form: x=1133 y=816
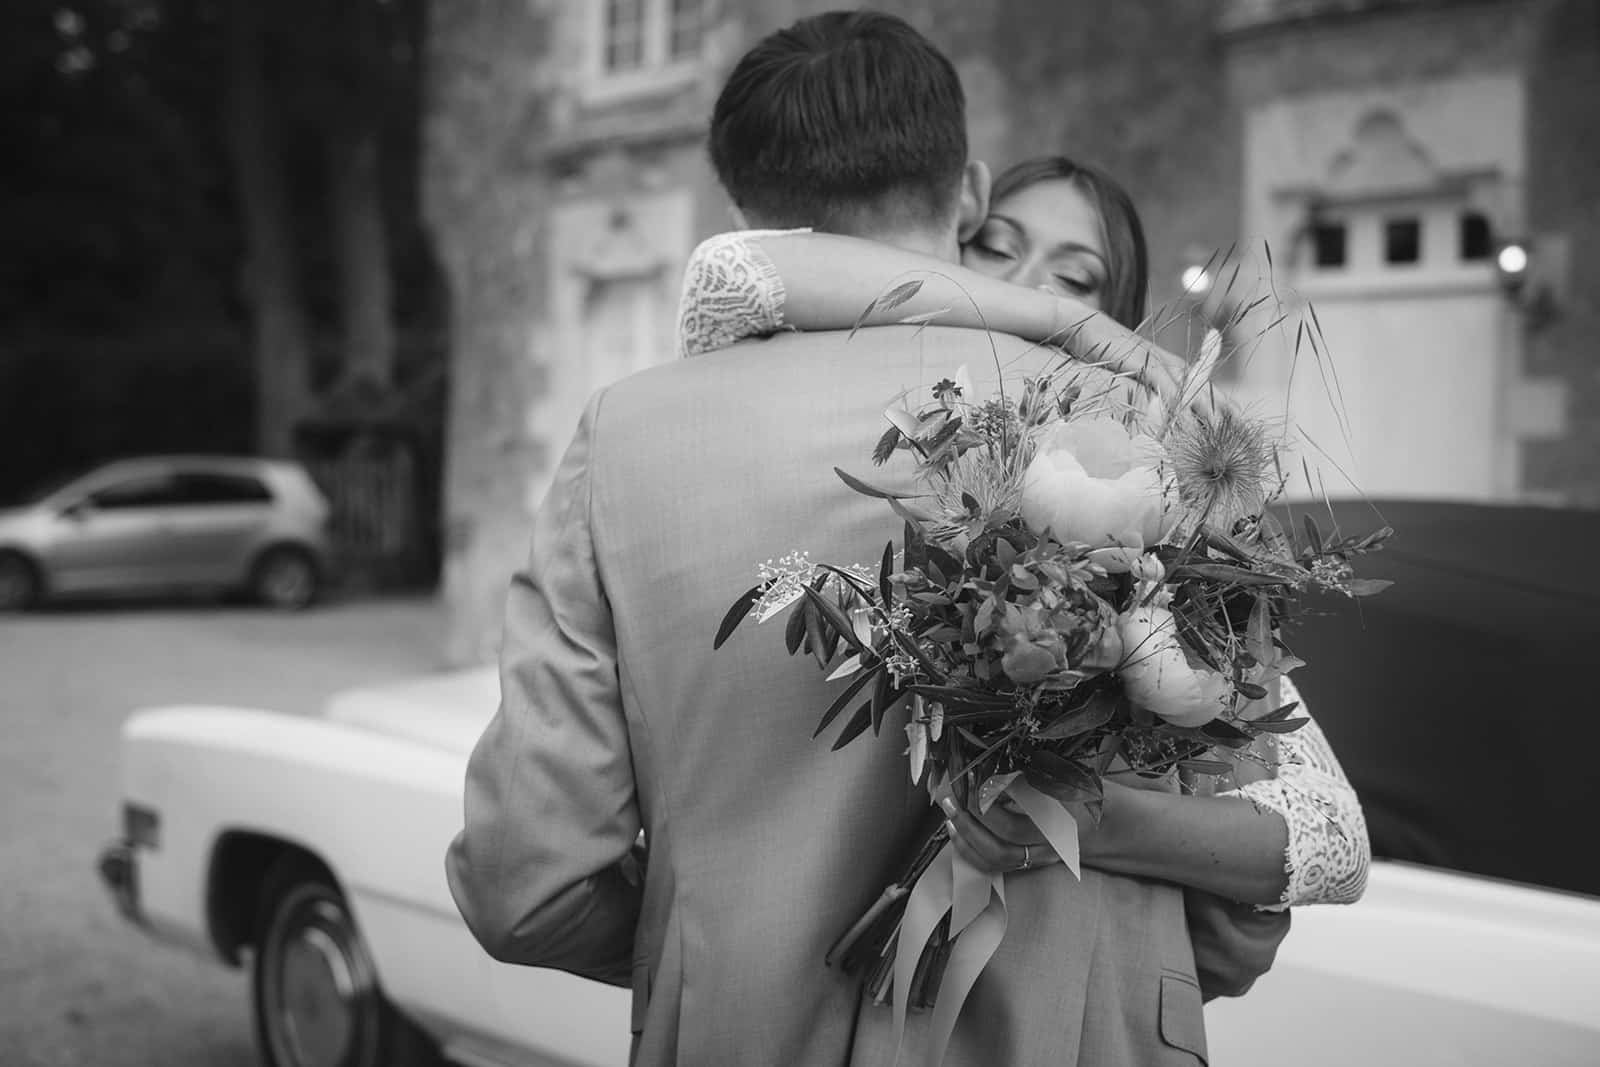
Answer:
x=163 y=523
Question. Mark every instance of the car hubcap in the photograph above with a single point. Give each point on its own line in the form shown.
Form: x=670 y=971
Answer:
x=15 y=585
x=322 y=985
x=288 y=581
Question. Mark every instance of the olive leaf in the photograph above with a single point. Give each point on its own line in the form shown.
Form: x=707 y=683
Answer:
x=1205 y=766
x=1280 y=726
x=854 y=728
x=869 y=490
x=1366 y=586
x=844 y=698
x=836 y=618
x=794 y=631
x=993 y=788
x=741 y=607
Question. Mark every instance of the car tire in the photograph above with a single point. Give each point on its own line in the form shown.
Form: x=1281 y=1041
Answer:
x=314 y=988
x=21 y=585
x=285 y=578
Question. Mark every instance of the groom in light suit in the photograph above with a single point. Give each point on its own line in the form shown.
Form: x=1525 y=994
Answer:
x=616 y=715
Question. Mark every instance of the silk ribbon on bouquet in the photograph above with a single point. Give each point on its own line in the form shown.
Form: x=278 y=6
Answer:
x=976 y=903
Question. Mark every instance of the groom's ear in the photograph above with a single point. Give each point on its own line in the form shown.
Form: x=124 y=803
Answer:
x=974 y=199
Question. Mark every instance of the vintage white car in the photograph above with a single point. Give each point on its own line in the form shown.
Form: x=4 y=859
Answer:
x=311 y=849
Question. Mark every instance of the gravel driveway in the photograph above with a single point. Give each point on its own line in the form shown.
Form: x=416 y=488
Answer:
x=78 y=986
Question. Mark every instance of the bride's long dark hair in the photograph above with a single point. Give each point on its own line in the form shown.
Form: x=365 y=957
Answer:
x=1127 y=290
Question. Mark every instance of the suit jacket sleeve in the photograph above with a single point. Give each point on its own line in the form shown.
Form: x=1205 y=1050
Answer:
x=1234 y=944
x=541 y=870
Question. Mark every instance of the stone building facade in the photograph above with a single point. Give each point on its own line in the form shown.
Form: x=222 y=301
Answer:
x=1383 y=150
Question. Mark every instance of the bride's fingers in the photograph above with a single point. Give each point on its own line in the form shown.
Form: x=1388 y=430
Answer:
x=987 y=851
x=1009 y=823
x=977 y=856
x=1091 y=336
x=976 y=842
x=995 y=857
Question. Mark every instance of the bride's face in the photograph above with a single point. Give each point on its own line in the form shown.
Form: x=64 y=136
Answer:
x=1048 y=235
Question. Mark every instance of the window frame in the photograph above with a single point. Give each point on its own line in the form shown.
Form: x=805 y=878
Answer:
x=1407 y=233
x=658 y=70
x=94 y=500
x=259 y=495
x=1367 y=271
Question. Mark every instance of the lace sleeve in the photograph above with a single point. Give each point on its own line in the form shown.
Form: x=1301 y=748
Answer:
x=731 y=291
x=1328 y=851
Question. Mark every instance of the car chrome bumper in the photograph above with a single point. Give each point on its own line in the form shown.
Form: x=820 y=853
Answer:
x=119 y=870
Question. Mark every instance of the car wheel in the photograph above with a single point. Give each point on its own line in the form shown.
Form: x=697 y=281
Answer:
x=20 y=584
x=315 y=990
x=284 y=578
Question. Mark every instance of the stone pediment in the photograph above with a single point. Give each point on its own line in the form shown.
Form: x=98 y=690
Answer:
x=1382 y=159
x=1240 y=16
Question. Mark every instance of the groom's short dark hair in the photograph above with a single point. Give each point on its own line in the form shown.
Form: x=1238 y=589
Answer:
x=841 y=113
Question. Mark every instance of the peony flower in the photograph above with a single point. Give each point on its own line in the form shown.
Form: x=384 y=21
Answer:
x=1157 y=674
x=1107 y=652
x=1069 y=640
x=1093 y=482
x=1027 y=660
x=1033 y=648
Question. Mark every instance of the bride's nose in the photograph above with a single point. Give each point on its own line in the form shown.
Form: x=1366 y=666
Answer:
x=1029 y=271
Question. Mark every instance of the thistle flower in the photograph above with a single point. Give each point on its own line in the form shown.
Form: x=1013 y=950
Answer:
x=987 y=479
x=1220 y=464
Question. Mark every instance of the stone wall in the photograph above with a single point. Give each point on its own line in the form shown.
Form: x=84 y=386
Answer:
x=1562 y=320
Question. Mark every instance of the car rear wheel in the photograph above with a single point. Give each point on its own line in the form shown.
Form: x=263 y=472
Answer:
x=20 y=584
x=315 y=990
x=284 y=578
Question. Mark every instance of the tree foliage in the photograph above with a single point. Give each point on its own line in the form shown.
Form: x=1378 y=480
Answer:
x=125 y=215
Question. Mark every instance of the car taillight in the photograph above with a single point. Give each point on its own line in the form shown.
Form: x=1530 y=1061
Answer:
x=141 y=826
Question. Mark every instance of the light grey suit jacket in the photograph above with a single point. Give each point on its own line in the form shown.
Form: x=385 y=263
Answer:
x=763 y=844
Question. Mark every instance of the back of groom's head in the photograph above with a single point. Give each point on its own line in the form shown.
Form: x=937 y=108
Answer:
x=846 y=121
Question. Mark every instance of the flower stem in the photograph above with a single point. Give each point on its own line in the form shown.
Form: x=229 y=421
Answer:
x=871 y=940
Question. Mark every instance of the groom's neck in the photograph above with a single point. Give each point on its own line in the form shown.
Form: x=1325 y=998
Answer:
x=939 y=245
x=899 y=229
x=901 y=219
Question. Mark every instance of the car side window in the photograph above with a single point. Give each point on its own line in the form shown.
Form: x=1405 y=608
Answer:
x=208 y=488
x=154 y=491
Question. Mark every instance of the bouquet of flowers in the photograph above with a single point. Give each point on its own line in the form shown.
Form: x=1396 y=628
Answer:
x=1081 y=584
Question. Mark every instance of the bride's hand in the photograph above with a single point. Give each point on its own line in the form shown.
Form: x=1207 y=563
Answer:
x=1094 y=338
x=998 y=841
x=1003 y=839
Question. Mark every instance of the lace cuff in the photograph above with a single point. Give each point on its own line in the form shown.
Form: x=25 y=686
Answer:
x=731 y=292
x=1328 y=853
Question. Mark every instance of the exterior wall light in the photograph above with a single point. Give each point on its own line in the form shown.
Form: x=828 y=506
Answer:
x=1511 y=263
x=1533 y=276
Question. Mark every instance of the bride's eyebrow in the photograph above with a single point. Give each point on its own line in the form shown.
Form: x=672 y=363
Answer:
x=1074 y=248
x=1004 y=220
x=1064 y=247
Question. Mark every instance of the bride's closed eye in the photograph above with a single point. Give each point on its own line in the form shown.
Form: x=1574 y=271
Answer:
x=991 y=249
x=996 y=241
x=1075 y=284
